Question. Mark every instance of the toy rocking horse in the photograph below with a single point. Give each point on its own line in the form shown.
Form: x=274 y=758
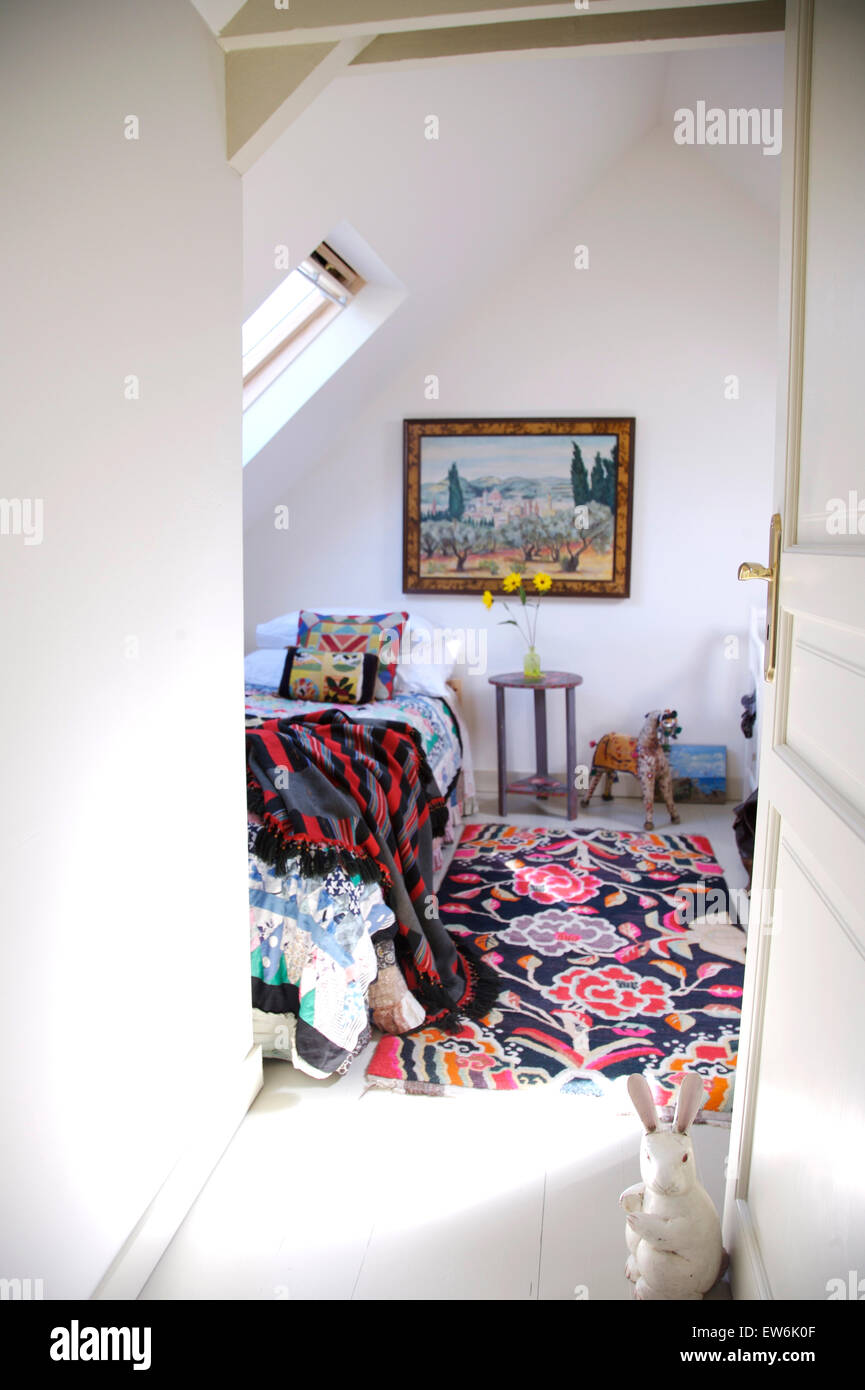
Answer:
x=644 y=756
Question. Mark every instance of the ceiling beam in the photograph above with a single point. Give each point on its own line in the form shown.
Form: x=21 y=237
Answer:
x=271 y=76
x=701 y=21
x=261 y=25
x=324 y=33
x=267 y=88
x=263 y=16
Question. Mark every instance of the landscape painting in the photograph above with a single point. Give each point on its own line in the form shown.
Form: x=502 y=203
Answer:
x=699 y=771
x=486 y=497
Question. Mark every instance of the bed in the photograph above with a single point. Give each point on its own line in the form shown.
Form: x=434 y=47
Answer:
x=344 y=934
x=437 y=720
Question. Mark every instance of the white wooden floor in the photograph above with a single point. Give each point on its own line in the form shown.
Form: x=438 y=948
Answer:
x=331 y=1190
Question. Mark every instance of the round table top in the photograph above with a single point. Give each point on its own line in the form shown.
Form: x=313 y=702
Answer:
x=549 y=680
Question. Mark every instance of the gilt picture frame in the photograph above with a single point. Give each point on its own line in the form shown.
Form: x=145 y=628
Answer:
x=483 y=497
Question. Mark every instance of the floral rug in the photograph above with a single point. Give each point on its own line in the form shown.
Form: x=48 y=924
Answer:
x=606 y=966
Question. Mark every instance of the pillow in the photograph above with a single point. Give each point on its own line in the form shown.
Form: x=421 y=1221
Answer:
x=416 y=678
x=279 y=632
x=342 y=678
x=427 y=658
x=282 y=631
x=264 y=668
x=378 y=633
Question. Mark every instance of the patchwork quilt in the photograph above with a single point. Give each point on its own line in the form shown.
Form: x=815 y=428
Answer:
x=313 y=957
x=315 y=937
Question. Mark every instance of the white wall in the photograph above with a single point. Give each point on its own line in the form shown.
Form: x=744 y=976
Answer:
x=517 y=140
x=680 y=293
x=123 y=876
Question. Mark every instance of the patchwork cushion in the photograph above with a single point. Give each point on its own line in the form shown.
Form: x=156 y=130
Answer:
x=342 y=678
x=379 y=633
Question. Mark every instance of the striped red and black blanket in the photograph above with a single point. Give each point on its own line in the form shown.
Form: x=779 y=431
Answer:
x=335 y=793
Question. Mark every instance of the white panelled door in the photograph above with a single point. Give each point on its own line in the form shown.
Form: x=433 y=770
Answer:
x=794 y=1218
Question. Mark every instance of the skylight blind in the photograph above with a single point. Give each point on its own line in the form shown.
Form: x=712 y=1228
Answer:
x=322 y=282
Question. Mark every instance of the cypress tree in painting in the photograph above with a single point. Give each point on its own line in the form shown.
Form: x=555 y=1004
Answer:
x=579 y=479
x=610 y=484
x=456 y=502
x=599 y=481
x=613 y=474
x=604 y=482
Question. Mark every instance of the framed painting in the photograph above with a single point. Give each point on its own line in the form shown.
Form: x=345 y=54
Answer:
x=699 y=771
x=485 y=497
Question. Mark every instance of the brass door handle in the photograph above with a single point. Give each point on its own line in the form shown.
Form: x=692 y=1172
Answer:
x=750 y=571
x=747 y=571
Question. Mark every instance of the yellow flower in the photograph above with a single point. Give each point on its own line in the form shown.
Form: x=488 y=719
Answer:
x=488 y=599
x=512 y=582
x=542 y=582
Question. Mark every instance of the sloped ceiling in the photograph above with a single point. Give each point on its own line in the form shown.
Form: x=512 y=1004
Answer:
x=282 y=53
x=520 y=142
x=750 y=75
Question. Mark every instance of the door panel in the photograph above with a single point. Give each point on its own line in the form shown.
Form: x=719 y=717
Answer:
x=834 y=284
x=828 y=674
x=808 y=1129
x=794 y=1215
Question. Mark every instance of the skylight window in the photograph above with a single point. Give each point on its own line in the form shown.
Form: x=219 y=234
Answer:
x=306 y=301
x=284 y=371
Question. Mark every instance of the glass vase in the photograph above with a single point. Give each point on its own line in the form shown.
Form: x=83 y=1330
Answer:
x=532 y=665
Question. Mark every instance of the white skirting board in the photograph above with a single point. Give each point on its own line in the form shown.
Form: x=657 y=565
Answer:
x=209 y=1135
x=626 y=789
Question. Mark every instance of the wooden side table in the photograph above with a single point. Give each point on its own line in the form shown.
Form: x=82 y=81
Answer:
x=541 y=785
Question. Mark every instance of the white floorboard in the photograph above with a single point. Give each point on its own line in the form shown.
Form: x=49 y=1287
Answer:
x=332 y=1190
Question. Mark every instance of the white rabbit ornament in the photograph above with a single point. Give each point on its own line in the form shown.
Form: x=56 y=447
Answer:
x=673 y=1231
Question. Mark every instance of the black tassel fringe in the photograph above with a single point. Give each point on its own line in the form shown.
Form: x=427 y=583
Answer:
x=254 y=797
x=487 y=985
x=484 y=986
x=438 y=814
x=314 y=860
